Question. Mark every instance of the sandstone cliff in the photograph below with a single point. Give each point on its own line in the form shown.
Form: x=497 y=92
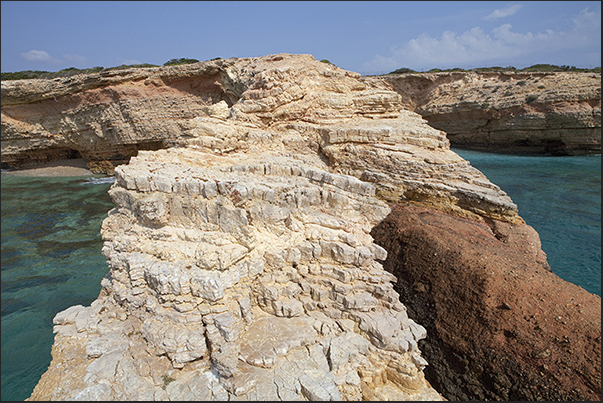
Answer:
x=556 y=113
x=107 y=117
x=242 y=263
x=104 y=117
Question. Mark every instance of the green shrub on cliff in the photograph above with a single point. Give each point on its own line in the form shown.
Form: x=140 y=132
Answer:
x=131 y=66
x=495 y=68
x=555 y=68
x=22 y=75
x=402 y=70
x=29 y=74
x=182 y=60
x=534 y=68
x=68 y=72
x=71 y=71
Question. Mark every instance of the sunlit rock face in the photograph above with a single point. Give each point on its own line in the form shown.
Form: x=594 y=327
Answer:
x=227 y=105
x=556 y=113
x=256 y=276
x=501 y=325
x=241 y=260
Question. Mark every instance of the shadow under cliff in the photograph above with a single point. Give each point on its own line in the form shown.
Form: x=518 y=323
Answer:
x=500 y=325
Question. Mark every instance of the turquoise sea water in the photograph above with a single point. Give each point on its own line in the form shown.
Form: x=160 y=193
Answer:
x=560 y=197
x=51 y=260
x=51 y=245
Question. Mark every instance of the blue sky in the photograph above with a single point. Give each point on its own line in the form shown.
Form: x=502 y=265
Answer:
x=369 y=37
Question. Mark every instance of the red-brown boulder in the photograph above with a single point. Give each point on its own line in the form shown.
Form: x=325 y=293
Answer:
x=500 y=325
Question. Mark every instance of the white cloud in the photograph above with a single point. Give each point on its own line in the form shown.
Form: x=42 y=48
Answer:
x=587 y=25
x=128 y=61
x=79 y=61
x=587 y=18
x=39 y=56
x=500 y=45
x=505 y=12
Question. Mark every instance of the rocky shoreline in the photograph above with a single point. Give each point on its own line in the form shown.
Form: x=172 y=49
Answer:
x=107 y=117
x=70 y=167
x=285 y=230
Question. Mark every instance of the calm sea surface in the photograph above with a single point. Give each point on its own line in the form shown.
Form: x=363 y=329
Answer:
x=560 y=197
x=51 y=260
x=51 y=245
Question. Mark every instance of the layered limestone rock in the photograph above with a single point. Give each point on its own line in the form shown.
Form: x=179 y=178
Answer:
x=241 y=260
x=106 y=117
x=556 y=113
x=241 y=277
x=227 y=105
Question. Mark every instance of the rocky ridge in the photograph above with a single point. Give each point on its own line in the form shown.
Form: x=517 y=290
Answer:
x=527 y=112
x=237 y=277
x=242 y=262
x=241 y=259
x=107 y=117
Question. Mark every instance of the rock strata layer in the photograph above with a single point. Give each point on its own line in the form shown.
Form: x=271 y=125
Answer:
x=242 y=262
x=555 y=113
x=239 y=277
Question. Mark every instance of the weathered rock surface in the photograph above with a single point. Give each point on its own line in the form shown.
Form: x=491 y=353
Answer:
x=242 y=264
x=239 y=277
x=241 y=261
x=501 y=325
x=107 y=117
x=556 y=113
x=104 y=117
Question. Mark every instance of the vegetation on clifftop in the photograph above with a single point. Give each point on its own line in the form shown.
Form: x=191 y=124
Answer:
x=182 y=60
x=537 y=68
x=71 y=71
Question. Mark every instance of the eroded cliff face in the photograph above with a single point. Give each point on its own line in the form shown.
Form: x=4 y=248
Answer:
x=242 y=264
x=555 y=113
x=241 y=260
x=242 y=276
x=107 y=117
